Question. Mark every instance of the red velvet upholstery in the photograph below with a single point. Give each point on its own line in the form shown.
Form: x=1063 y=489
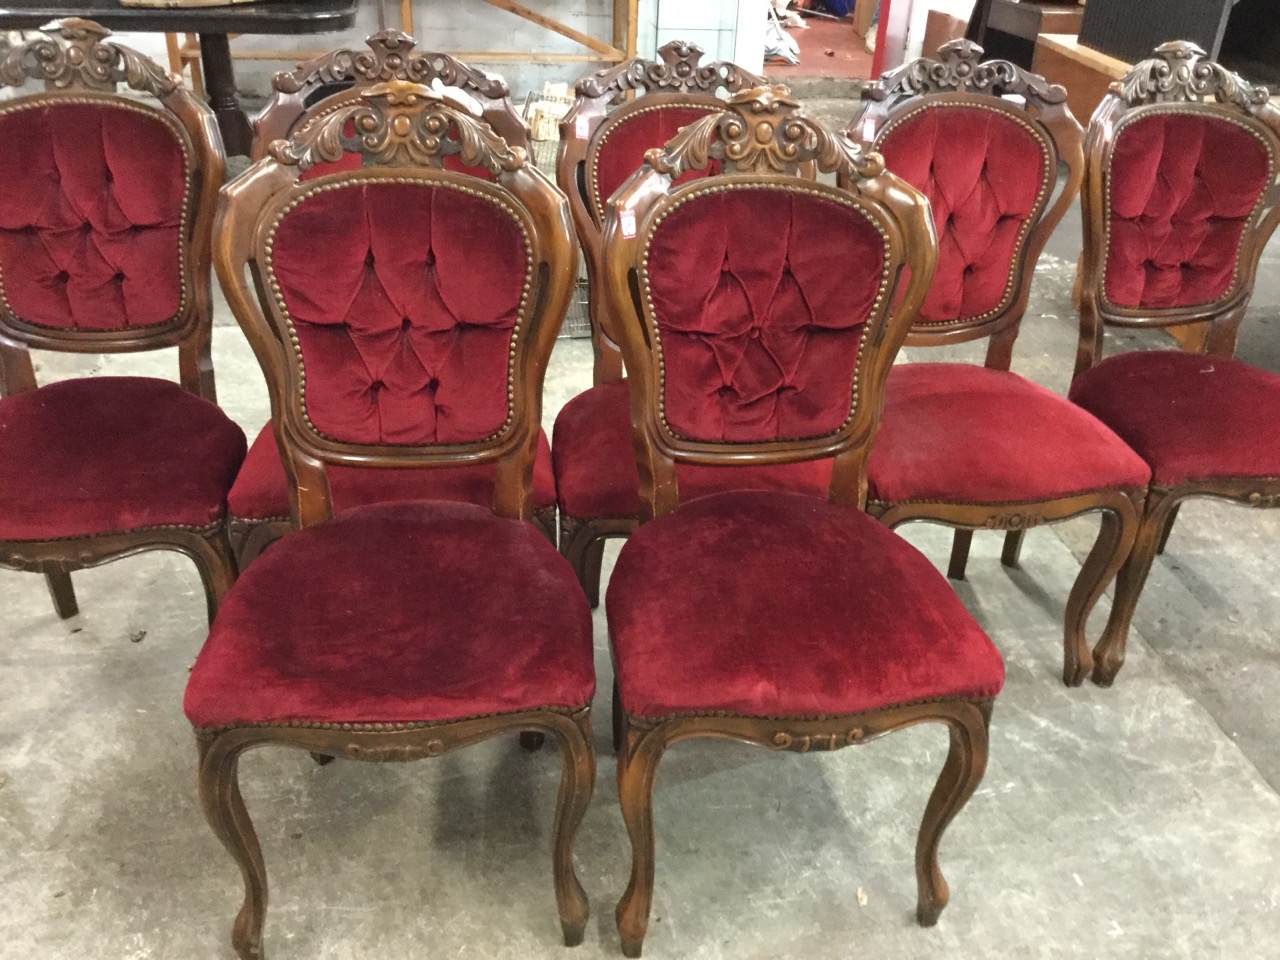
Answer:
x=760 y=297
x=261 y=490
x=393 y=613
x=773 y=604
x=91 y=204
x=404 y=298
x=595 y=462
x=962 y=433
x=1181 y=189
x=621 y=152
x=110 y=454
x=1189 y=416
x=983 y=173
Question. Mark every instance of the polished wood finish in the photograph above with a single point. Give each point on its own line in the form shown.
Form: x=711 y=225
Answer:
x=677 y=78
x=391 y=55
x=407 y=131
x=212 y=23
x=1178 y=78
x=960 y=77
x=763 y=140
x=78 y=61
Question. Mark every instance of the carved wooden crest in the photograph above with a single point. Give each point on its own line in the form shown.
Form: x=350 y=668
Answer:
x=1182 y=72
x=680 y=70
x=75 y=54
x=960 y=69
x=399 y=123
x=392 y=55
x=763 y=130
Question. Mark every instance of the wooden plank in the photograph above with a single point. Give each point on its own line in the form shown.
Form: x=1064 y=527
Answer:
x=555 y=26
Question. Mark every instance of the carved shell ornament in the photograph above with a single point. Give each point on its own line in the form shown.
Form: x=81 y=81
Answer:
x=959 y=68
x=392 y=55
x=1181 y=72
x=75 y=54
x=403 y=124
x=679 y=70
x=762 y=130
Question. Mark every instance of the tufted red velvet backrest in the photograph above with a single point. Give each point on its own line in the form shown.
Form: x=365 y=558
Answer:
x=1180 y=190
x=759 y=296
x=618 y=149
x=988 y=176
x=94 y=198
x=403 y=298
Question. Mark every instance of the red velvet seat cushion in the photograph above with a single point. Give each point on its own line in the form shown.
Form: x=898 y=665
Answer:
x=106 y=454
x=91 y=202
x=983 y=173
x=396 y=613
x=773 y=604
x=595 y=462
x=965 y=434
x=1181 y=189
x=261 y=490
x=1190 y=417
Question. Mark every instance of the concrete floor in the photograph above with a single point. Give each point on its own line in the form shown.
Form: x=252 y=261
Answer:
x=1137 y=822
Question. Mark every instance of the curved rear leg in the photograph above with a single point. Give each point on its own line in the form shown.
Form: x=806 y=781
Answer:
x=1011 y=555
x=217 y=565
x=966 y=762
x=224 y=809
x=576 y=785
x=1115 y=539
x=1168 y=529
x=62 y=592
x=959 y=554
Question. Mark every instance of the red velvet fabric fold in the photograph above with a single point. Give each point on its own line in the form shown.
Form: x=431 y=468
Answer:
x=110 y=454
x=774 y=604
x=1181 y=190
x=91 y=202
x=960 y=433
x=404 y=297
x=261 y=490
x=760 y=297
x=1189 y=416
x=595 y=462
x=397 y=613
x=982 y=172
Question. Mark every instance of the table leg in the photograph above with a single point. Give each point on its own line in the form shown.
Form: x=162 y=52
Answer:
x=220 y=83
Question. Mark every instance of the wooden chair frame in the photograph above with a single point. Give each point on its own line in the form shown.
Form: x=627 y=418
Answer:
x=763 y=139
x=77 y=62
x=960 y=78
x=1179 y=78
x=391 y=55
x=677 y=79
x=408 y=130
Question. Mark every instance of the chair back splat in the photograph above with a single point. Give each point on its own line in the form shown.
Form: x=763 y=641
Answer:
x=989 y=165
x=618 y=114
x=404 y=312
x=392 y=55
x=1182 y=193
x=106 y=202
x=759 y=311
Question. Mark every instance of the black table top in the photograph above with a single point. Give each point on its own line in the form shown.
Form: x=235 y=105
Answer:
x=273 y=16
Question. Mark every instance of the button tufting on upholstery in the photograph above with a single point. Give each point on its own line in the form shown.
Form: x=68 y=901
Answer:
x=62 y=276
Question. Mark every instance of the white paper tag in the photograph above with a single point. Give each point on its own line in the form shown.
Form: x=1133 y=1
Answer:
x=627 y=220
x=582 y=128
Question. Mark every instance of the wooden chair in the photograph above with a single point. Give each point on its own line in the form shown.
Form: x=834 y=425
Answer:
x=758 y=313
x=404 y=317
x=596 y=483
x=1182 y=194
x=979 y=447
x=259 y=499
x=106 y=209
